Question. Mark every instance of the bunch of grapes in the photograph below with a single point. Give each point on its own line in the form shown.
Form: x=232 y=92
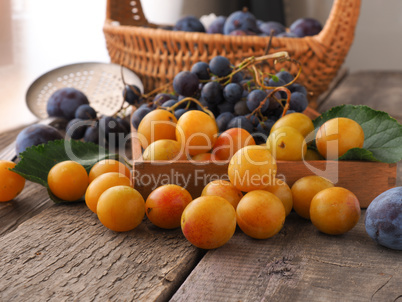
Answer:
x=238 y=96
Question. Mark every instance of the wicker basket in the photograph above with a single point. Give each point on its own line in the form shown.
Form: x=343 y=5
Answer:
x=157 y=55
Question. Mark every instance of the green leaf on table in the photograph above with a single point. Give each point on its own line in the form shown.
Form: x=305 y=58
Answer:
x=382 y=133
x=36 y=161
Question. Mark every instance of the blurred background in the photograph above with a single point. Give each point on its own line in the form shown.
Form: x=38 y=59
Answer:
x=37 y=36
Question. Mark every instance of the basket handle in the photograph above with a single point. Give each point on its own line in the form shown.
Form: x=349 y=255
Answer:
x=341 y=23
x=127 y=12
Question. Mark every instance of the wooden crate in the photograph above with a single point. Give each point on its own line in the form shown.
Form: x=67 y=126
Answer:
x=365 y=179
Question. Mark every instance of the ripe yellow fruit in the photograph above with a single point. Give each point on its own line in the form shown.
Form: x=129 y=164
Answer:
x=338 y=135
x=11 y=182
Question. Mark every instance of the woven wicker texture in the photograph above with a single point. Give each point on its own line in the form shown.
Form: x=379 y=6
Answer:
x=157 y=55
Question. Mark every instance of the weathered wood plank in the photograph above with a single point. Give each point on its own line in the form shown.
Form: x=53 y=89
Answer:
x=66 y=254
x=379 y=90
x=32 y=200
x=298 y=264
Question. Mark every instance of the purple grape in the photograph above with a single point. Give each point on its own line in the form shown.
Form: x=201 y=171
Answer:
x=220 y=66
x=201 y=69
x=274 y=26
x=255 y=98
x=138 y=115
x=92 y=134
x=179 y=112
x=65 y=101
x=305 y=27
x=131 y=94
x=264 y=128
x=298 y=102
x=241 y=122
x=241 y=108
x=295 y=87
x=223 y=119
x=216 y=27
x=226 y=107
x=237 y=78
x=273 y=83
x=243 y=20
x=185 y=83
x=85 y=112
x=285 y=76
x=35 y=135
x=76 y=128
x=161 y=98
x=212 y=93
x=253 y=119
x=189 y=23
x=232 y=92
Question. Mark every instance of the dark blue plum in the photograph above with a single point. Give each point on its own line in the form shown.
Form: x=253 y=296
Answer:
x=243 y=20
x=201 y=69
x=233 y=93
x=305 y=27
x=138 y=115
x=298 y=102
x=273 y=26
x=241 y=122
x=189 y=23
x=65 y=101
x=383 y=219
x=131 y=94
x=255 y=98
x=186 y=83
x=212 y=93
x=240 y=32
x=216 y=26
x=85 y=112
x=223 y=119
x=35 y=135
x=220 y=66
x=287 y=35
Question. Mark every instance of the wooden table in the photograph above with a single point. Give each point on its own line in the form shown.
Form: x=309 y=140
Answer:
x=63 y=253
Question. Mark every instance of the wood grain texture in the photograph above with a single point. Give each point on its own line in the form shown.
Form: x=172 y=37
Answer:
x=66 y=254
x=298 y=264
x=353 y=175
x=32 y=200
x=378 y=90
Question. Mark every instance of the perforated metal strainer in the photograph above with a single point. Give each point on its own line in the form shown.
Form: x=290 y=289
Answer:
x=101 y=82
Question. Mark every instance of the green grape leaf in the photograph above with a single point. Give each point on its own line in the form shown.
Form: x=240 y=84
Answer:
x=382 y=133
x=36 y=161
